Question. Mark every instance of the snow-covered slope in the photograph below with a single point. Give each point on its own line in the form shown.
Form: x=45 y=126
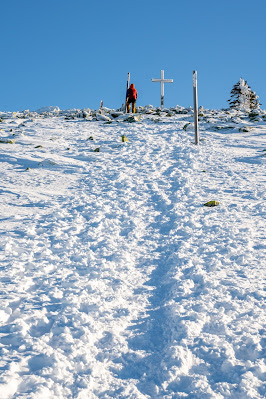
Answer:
x=116 y=280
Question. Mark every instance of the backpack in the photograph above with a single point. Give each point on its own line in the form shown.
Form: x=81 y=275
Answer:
x=132 y=93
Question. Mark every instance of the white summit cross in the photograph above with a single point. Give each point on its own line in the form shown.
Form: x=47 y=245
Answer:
x=162 y=81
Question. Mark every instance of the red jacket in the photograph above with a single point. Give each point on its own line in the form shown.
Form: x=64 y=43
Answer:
x=132 y=93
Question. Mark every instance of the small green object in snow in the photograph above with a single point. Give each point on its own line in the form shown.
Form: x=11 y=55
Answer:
x=90 y=138
x=7 y=141
x=38 y=146
x=97 y=150
x=212 y=203
x=124 y=138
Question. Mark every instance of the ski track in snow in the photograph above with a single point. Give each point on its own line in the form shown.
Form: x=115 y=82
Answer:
x=116 y=281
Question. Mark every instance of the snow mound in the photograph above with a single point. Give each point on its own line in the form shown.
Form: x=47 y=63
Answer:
x=51 y=109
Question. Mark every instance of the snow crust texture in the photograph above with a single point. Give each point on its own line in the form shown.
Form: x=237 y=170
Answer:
x=116 y=281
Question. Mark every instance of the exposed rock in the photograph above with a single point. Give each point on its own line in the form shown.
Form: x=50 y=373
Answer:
x=102 y=117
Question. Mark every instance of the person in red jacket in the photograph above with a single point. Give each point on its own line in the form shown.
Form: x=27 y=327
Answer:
x=132 y=96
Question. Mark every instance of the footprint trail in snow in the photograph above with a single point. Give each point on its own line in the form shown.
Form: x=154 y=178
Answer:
x=116 y=281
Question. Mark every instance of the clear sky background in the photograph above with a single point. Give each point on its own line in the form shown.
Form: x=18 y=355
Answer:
x=75 y=53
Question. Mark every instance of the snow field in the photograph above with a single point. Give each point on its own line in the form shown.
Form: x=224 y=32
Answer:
x=116 y=281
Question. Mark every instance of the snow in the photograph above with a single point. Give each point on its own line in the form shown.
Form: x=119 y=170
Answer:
x=48 y=109
x=116 y=280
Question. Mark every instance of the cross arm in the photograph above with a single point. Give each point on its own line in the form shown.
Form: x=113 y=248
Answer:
x=163 y=80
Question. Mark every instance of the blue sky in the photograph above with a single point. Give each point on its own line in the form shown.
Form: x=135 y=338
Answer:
x=75 y=53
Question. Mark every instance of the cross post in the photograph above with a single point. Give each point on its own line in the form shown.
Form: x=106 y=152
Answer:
x=162 y=81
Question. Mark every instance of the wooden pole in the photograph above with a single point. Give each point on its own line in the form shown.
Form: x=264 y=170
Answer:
x=128 y=80
x=195 y=97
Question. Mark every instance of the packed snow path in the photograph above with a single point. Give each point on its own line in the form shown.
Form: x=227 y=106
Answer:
x=116 y=281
